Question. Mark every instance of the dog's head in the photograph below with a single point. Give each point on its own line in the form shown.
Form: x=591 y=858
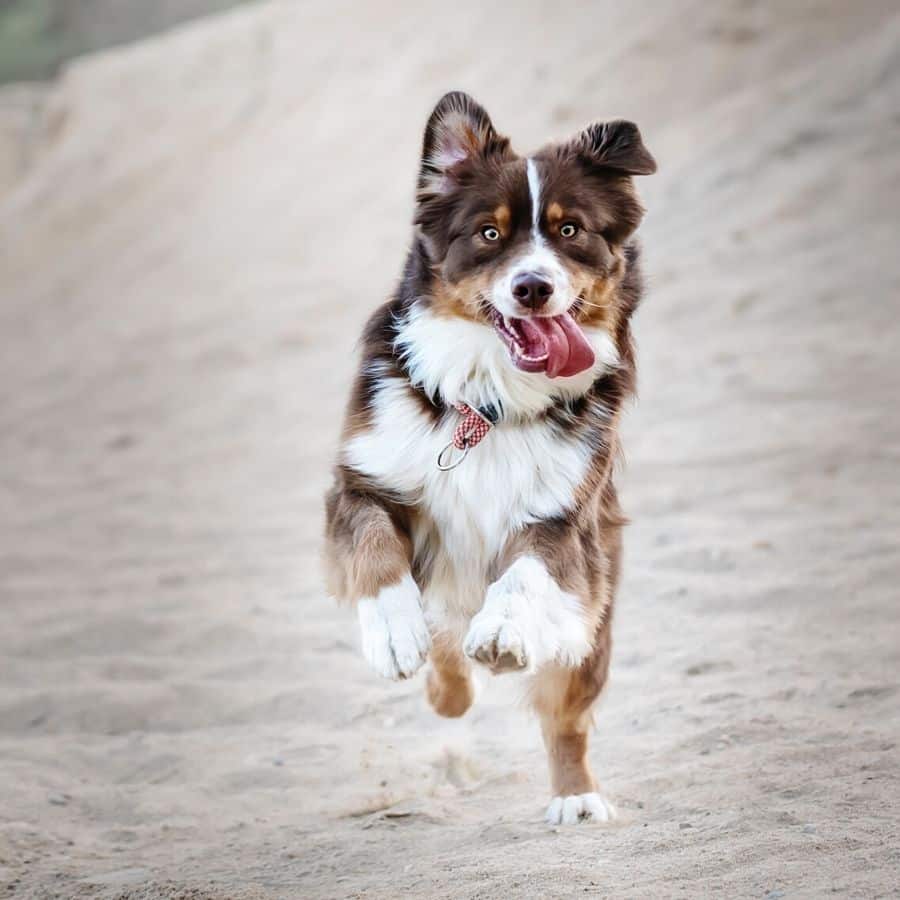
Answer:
x=533 y=247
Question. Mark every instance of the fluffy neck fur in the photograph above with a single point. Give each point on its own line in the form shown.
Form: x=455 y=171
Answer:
x=453 y=359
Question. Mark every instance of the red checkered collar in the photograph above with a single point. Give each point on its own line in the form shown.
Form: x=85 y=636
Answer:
x=471 y=429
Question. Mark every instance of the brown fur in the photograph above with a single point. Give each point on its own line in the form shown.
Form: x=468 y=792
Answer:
x=449 y=686
x=462 y=299
x=367 y=547
x=563 y=699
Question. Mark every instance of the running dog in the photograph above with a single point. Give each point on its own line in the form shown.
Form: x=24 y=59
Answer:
x=473 y=517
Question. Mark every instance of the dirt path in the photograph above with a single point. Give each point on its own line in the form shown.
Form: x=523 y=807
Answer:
x=183 y=274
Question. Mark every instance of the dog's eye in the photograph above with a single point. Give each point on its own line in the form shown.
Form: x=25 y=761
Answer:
x=489 y=233
x=569 y=230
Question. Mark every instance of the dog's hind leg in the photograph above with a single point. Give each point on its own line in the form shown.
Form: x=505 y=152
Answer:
x=450 y=687
x=563 y=699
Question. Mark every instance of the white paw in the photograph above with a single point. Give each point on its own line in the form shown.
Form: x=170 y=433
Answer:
x=395 y=638
x=497 y=642
x=527 y=621
x=580 y=808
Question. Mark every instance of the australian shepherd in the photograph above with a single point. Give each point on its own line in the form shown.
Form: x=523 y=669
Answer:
x=473 y=517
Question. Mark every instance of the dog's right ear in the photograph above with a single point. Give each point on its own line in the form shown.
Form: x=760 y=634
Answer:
x=459 y=130
x=617 y=146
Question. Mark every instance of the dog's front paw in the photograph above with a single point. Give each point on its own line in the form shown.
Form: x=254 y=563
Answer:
x=527 y=621
x=395 y=638
x=577 y=808
x=497 y=642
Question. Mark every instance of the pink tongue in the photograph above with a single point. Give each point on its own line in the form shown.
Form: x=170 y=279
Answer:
x=581 y=354
x=568 y=351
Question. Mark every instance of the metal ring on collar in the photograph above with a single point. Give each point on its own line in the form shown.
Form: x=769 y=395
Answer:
x=446 y=466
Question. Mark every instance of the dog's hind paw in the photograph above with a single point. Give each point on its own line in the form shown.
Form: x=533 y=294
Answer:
x=580 y=808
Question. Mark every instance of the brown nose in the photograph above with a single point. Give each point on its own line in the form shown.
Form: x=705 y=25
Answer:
x=531 y=289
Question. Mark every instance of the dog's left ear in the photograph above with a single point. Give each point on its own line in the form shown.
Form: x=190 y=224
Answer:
x=615 y=145
x=459 y=130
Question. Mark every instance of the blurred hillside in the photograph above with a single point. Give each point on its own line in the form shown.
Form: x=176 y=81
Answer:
x=37 y=36
x=193 y=230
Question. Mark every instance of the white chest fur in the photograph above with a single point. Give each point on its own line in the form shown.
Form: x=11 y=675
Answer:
x=518 y=474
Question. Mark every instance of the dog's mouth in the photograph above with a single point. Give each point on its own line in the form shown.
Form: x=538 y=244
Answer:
x=555 y=345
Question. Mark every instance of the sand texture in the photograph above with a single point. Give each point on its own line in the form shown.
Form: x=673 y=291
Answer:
x=196 y=230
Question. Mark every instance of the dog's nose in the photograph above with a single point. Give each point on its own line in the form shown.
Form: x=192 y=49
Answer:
x=532 y=289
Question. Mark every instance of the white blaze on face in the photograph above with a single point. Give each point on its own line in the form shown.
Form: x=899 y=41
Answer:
x=538 y=258
x=534 y=188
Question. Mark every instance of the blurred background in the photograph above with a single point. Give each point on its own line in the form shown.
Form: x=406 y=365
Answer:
x=199 y=207
x=38 y=36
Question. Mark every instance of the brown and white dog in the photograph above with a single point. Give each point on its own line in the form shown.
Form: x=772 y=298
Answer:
x=514 y=307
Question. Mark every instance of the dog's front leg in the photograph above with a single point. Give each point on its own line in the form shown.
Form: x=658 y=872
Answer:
x=395 y=639
x=528 y=621
x=368 y=561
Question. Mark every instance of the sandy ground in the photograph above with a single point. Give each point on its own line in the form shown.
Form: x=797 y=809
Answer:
x=205 y=221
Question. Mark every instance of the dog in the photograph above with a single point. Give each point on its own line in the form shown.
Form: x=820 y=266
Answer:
x=473 y=516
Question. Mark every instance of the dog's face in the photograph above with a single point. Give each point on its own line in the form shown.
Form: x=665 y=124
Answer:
x=532 y=247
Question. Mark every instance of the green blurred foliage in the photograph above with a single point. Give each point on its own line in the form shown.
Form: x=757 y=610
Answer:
x=38 y=36
x=31 y=46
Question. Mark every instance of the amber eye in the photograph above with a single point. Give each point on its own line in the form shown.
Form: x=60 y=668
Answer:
x=569 y=230
x=490 y=233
